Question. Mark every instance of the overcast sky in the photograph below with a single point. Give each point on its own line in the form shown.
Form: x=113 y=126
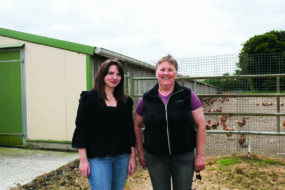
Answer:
x=148 y=29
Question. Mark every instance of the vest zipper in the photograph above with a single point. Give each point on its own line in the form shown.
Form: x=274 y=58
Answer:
x=166 y=117
x=167 y=129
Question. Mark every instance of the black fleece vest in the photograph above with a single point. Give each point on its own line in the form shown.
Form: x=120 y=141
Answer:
x=169 y=130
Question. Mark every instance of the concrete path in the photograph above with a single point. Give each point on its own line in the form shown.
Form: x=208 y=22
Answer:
x=21 y=166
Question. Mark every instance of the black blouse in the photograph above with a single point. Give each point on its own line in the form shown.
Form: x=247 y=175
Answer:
x=101 y=129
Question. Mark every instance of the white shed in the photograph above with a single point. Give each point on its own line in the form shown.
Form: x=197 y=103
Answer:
x=41 y=79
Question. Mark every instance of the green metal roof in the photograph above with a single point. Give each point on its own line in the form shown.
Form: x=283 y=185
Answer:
x=48 y=41
x=9 y=46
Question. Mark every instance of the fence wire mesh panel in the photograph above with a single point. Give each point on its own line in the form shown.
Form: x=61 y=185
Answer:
x=243 y=97
x=248 y=116
x=220 y=145
x=207 y=66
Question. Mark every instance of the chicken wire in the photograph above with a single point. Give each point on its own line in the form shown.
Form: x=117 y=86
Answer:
x=263 y=128
x=220 y=145
x=240 y=86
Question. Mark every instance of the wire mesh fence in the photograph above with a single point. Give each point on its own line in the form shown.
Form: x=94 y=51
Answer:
x=255 y=117
x=247 y=89
x=220 y=145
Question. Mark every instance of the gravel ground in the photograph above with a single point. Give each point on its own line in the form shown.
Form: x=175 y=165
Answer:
x=20 y=165
x=223 y=173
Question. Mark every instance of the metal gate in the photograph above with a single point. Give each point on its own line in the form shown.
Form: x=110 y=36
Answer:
x=11 y=96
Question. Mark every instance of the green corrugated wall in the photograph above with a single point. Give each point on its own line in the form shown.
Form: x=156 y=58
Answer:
x=11 y=121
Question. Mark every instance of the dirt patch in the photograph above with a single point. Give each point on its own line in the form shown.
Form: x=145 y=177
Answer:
x=229 y=172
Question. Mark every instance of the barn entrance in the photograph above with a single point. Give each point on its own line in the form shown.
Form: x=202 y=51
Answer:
x=11 y=96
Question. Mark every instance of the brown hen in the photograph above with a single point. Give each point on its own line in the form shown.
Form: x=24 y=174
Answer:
x=225 y=128
x=209 y=125
x=241 y=140
x=242 y=122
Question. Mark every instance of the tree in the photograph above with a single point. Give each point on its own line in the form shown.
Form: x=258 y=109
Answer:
x=263 y=54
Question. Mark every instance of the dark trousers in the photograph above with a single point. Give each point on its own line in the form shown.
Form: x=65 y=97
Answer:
x=178 y=167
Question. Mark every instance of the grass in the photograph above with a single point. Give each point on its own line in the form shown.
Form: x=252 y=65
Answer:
x=243 y=172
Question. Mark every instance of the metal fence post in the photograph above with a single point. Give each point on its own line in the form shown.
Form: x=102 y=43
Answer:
x=127 y=84
x=278 y=84
x=132 y=88
x=126 y=78
x=278 y=105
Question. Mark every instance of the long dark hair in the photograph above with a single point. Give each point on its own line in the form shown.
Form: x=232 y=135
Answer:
x=99 y=84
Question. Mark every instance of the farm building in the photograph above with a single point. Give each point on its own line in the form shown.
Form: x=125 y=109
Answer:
x=41 y=79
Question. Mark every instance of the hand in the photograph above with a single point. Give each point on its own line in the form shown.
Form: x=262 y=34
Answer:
x=84 y=168
x=199 y=163
x=132 y=166
x=141 y=158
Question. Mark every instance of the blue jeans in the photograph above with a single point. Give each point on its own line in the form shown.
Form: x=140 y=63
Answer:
x=108 y=173
x=178 y=167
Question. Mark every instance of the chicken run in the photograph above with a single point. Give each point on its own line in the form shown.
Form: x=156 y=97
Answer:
x=242 y=133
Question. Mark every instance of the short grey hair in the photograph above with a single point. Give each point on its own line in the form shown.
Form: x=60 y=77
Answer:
x=169 y=58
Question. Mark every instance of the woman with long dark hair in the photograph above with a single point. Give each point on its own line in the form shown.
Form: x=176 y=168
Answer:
x=104 y=133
